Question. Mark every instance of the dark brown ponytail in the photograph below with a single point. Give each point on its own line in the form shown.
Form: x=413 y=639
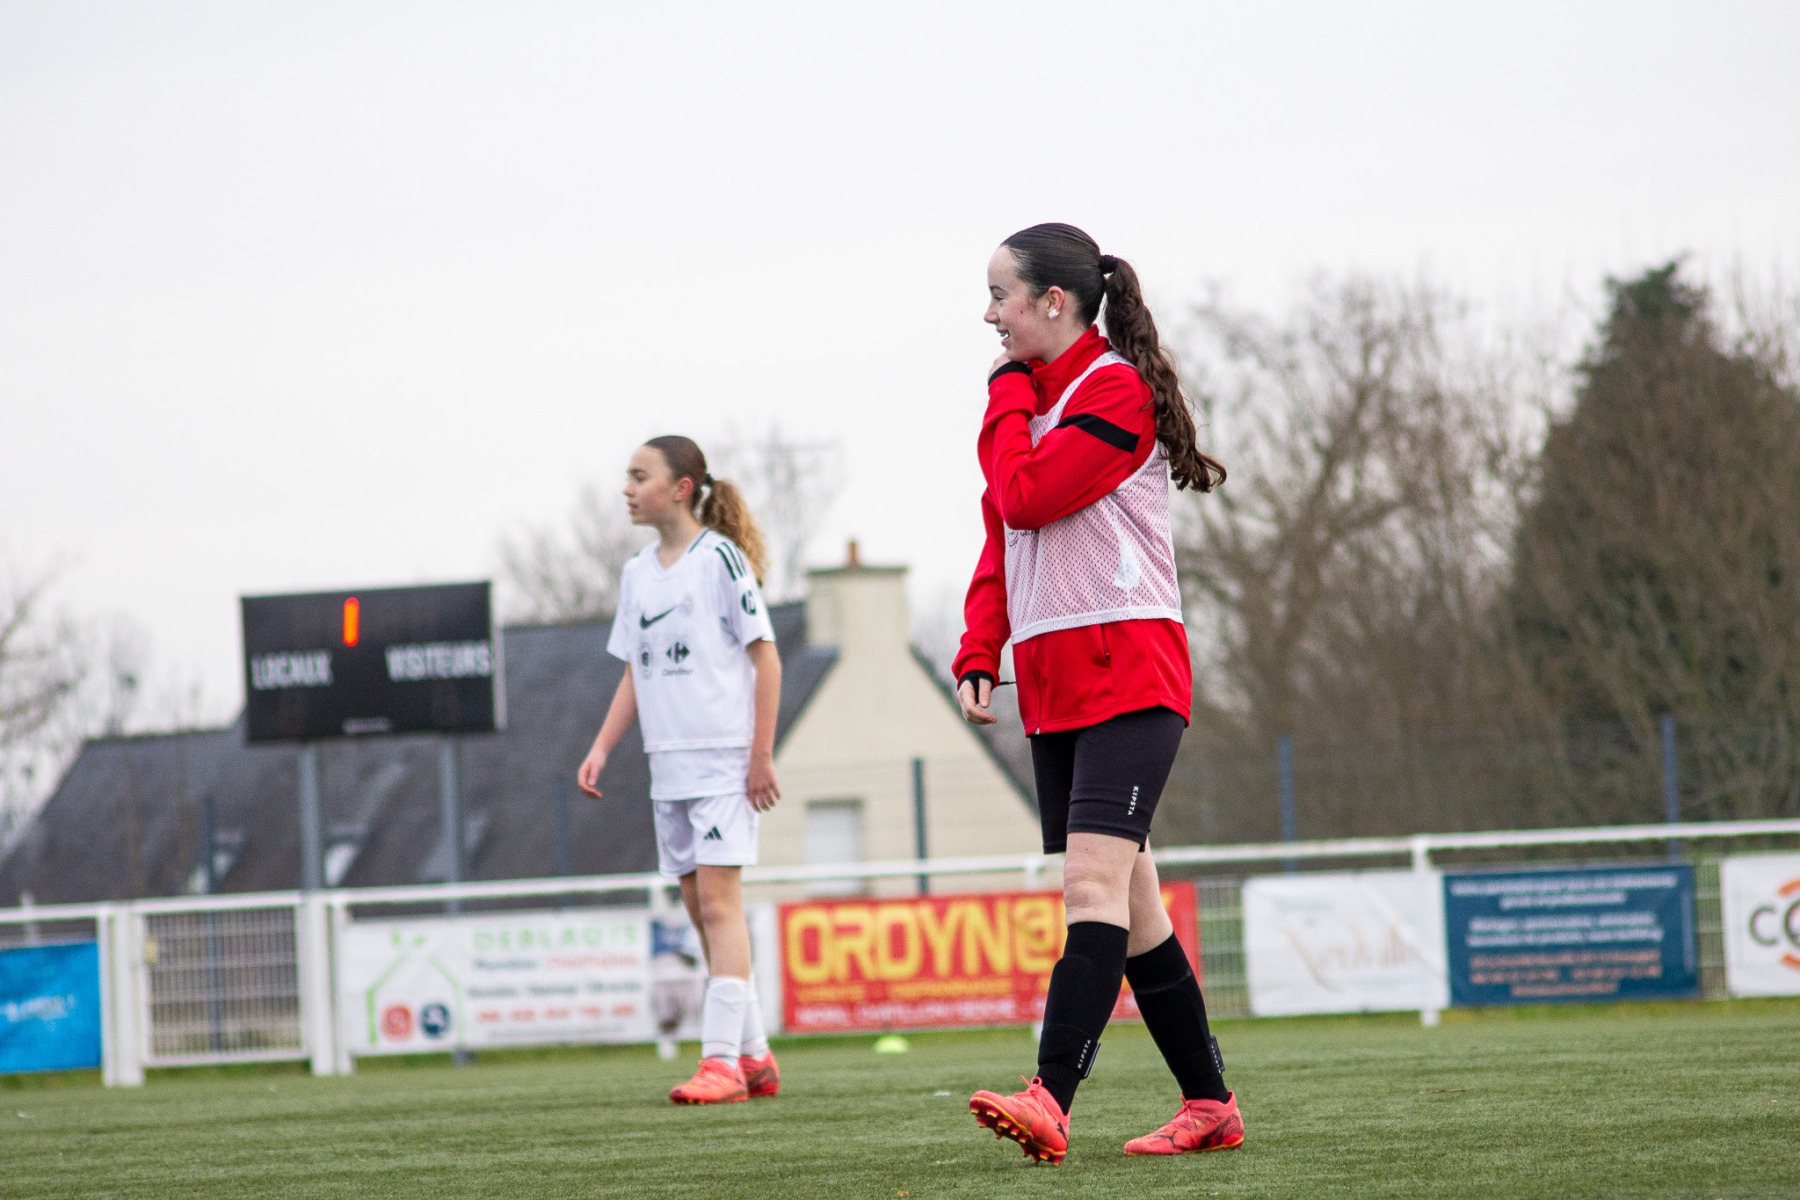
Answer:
x=1057 y=255
x=717 y=503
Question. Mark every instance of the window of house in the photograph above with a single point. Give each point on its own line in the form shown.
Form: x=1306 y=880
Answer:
x=227 y=845
x=834 y=834
x=338 y=857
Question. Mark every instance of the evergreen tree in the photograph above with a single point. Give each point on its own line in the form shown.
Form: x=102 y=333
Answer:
x=1657 y=569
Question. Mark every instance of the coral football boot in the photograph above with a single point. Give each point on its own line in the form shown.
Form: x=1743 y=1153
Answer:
x=1200 y=1125
x=718 y=1081
x=1031 y=1118
x=761 y=1076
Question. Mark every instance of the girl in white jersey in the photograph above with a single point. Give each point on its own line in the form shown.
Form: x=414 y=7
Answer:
x=703 y=679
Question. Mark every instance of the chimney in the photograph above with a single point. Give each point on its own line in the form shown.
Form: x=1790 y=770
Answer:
x=858 y=608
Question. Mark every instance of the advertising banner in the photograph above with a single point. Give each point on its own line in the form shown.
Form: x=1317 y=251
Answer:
x=575 y=975
x=50 y=1008
x=1354 y=941
x=933 y=962
x=1760 y=898
x=1535 y=937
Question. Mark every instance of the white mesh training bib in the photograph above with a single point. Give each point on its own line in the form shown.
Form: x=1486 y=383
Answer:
x=1111 y=561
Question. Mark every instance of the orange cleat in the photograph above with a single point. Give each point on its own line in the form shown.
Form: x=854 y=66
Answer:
x=718 y=1081
x=761 y=1076
x=1031 y=1118
x=1200 y=1125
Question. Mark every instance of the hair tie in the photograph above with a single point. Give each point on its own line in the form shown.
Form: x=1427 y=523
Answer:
x=1108 y=264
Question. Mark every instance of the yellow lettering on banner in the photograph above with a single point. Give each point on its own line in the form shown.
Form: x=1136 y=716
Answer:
x=854 y=939
x=940 y=934
x=898 y=922
x=986 y=933
x=1036 y=926
x=802 y=968
x=831 y=994
x=952 y=988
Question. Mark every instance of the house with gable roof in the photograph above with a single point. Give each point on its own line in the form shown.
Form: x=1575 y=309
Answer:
x=134 y=816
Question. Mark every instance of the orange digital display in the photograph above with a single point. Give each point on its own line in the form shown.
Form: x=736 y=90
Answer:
x=352 y=621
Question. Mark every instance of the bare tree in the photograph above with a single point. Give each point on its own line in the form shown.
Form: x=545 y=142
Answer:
x=1341 y=583
x=790 y=485
x=570 y=573
x=42 y=669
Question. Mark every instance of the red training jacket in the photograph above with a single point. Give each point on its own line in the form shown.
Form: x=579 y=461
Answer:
x=1068 y=678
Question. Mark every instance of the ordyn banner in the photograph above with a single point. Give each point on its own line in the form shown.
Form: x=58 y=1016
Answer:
x=933 y=962
x=1534 y=937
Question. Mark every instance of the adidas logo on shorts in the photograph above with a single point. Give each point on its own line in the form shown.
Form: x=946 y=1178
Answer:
x=713 y=835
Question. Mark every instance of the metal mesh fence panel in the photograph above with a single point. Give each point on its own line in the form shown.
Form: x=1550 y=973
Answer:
x=1709 y=928
x=222 y=986
x=1221 y=918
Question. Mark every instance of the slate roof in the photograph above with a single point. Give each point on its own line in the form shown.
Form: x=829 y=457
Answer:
x=126 y=820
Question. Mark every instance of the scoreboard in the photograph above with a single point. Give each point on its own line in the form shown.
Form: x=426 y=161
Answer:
x=372 y=661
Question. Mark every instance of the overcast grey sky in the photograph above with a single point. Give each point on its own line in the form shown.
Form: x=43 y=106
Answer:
x=299 y=296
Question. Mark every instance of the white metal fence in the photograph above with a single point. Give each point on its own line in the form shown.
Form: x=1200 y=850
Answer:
x=241 y=978
x=221 y=986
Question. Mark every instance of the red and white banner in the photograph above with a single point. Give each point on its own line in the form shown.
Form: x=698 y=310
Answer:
x=934 y=962
x=1759 y=898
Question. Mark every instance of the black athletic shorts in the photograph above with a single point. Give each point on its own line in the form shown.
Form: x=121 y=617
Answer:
x=1105 y=778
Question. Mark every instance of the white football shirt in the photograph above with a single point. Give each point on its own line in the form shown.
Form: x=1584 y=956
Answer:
x=683 y=634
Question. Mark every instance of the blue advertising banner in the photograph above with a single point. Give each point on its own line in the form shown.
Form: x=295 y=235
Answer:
x=1537 y=937
x=50 y=1008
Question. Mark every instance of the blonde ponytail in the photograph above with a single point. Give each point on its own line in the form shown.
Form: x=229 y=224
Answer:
x=717 y=503
x=724 y=510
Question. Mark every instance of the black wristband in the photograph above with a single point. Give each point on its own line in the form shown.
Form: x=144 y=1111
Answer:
x=1007 y=368
x=976 y=677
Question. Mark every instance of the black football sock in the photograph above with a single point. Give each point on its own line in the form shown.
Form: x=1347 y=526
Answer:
x=1084 y=987
x=1168 y=996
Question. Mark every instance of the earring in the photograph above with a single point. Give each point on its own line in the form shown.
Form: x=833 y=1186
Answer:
x=1053 y=313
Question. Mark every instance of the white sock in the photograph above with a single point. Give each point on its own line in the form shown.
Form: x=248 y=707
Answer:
x=756 y=1039
x=722 y=1021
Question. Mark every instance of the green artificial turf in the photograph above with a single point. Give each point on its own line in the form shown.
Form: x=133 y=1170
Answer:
x=1648 y=1100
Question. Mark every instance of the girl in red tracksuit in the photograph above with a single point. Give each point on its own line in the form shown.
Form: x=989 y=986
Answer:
x=1082 y=437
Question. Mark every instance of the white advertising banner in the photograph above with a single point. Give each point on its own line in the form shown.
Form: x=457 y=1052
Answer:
x=572 y=975
x=1356 y=941
x=1759 y=895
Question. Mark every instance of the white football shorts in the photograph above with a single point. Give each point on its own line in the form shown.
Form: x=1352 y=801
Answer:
x=713 y=831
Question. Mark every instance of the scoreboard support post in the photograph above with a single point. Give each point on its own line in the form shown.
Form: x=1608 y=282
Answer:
x=312 y=872
x=450 y=801
x=450 y=809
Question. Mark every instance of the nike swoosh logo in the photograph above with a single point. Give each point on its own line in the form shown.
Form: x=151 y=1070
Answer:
x=646 y=622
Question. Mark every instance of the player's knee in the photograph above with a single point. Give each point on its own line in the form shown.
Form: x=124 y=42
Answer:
x=1093 y=897
x=716 y=911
